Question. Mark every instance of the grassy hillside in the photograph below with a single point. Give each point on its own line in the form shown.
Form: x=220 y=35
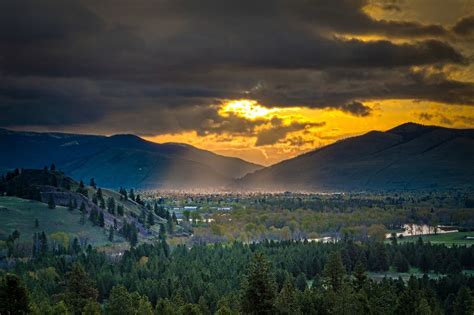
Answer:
x=42 y=186
x=132 y=209
x=20 y=214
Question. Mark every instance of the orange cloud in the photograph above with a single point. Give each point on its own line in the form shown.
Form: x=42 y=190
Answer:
x=283 y=133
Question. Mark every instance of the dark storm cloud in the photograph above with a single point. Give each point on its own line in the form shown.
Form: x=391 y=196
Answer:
x=35 y=21
x=426 y=116
x=464 y=26
x=167 y=63
x=356 y=108
x=279 y=131
x=33 y=102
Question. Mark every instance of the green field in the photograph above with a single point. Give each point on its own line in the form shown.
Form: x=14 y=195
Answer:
x=457 y=238
x=20 y=214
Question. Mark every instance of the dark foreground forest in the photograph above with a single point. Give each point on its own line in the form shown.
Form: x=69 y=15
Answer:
x=264 y=278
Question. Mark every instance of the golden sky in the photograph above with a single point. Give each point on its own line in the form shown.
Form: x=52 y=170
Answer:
x=261 y=80
x=322 y=126
x=338 y=125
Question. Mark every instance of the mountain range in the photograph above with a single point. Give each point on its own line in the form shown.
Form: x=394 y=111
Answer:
x=121 y=160
x=410 y=156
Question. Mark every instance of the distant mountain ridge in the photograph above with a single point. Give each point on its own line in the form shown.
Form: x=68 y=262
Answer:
x=410 y=156
x=121 y=160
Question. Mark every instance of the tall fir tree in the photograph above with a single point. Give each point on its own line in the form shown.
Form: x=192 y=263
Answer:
x=258 y=287
x=79 y=290
x=111 y=234
x=51 y=203
x=334 y=271
x=14 y=297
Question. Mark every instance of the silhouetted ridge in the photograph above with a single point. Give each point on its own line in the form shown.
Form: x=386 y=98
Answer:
x=411 y=130
x=410 y=156
x=121 y=160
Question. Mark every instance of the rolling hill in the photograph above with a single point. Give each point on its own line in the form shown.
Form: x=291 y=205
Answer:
x=20 y=214
x=121 y=160
x=410 y=156
x=25 y=196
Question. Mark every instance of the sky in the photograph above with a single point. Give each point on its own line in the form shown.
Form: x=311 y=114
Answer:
x=261 y=80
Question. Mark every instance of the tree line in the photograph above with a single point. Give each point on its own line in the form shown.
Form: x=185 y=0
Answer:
x=264 y=278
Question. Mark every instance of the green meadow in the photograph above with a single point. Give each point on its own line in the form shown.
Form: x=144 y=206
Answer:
x=449 y=239
x=20 y=214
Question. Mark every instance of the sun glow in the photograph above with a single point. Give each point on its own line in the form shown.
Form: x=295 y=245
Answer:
x=338 y=125
x=248 y=109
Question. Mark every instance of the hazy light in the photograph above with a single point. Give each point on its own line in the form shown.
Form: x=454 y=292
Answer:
x=248 y=109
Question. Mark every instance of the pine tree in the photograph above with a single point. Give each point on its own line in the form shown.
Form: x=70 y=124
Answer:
x=174 y=218
x=401 y=263
x=111 y=205
x=360 y=277
x=334 y=271
x=51 y=203
x=54 y=181
x=60 y=308
x=464 y=303
x=91 y=308
x=111 y=234
x=101 y=219
x=43 y=243
x=120 y=301
x=162 y=232
x=83 y=213
x=151 y=218
x=423 y=308
x=258 y=287
x=301 y=282
x=76 y=247
x=14 y=297
x=286 y=301
x=125 y=196
x=133 y=236
x=92 y=183
x=100 y=195
x=70 y=205
x=131 y=195
x=144 y=306
x=165 y=307
x=142 y=218
x=82 y=189
x=94 y=199
x=120 y=210
x=94 y=216
x=80 y=289
x=36 y=245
